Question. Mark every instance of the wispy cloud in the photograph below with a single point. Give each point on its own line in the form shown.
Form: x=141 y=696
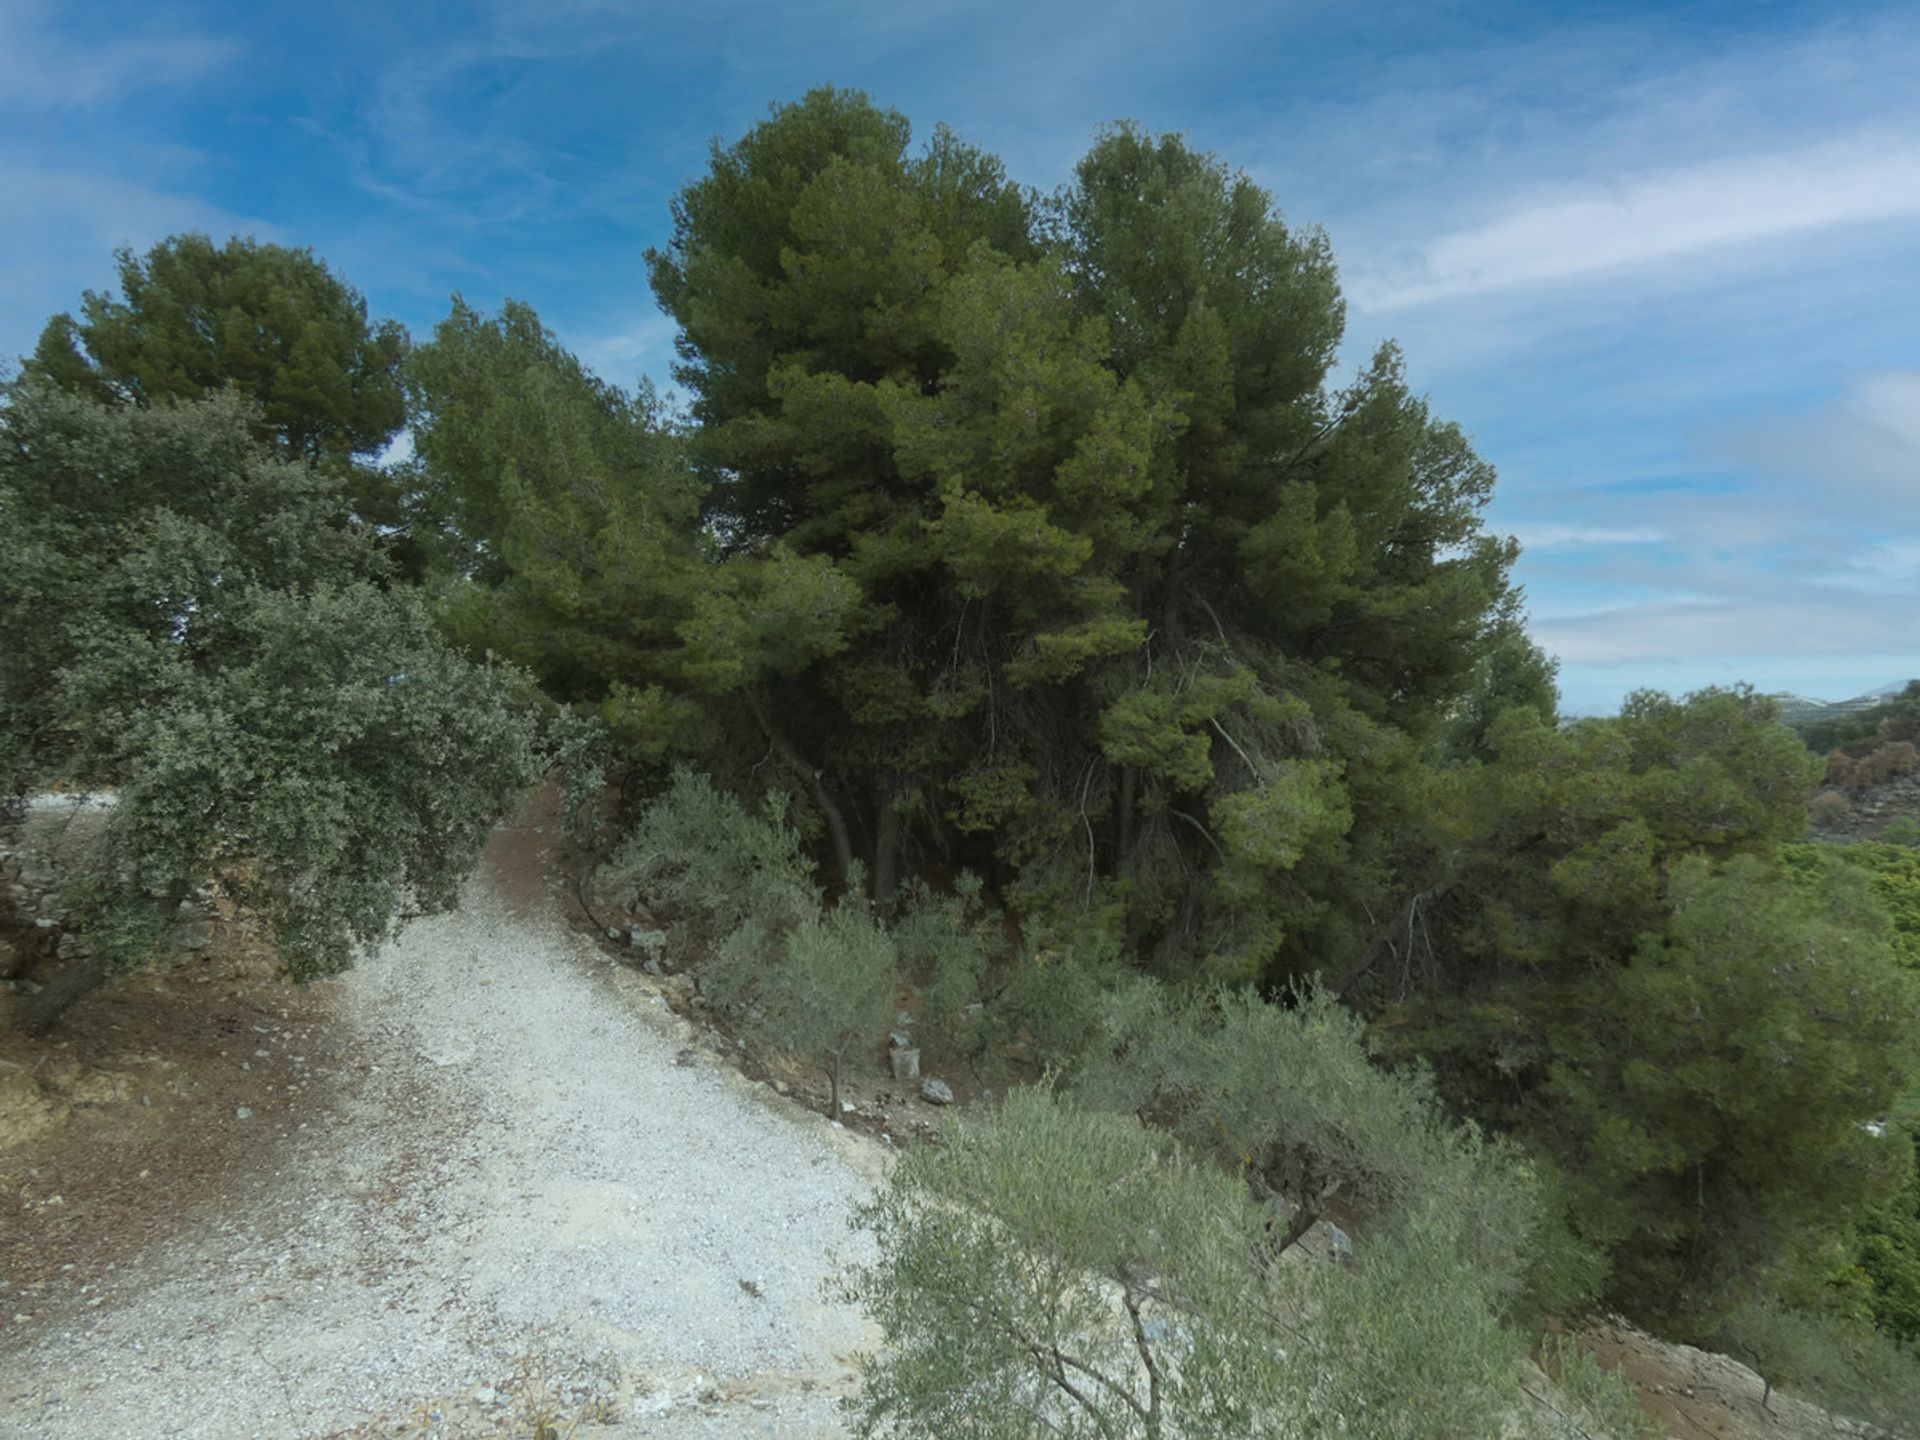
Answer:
x=1803 y=621
x=43 y=70
x=60 y=227
x=1644 y=219
x=1863 y=450
x=1548 y=535
x=643 y=346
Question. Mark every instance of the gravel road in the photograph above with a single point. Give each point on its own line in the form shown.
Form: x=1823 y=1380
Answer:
x=539 y=1191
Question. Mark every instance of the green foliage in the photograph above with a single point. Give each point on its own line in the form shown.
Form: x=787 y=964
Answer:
x=1054 y=997
x=559 y=516
x=1717 y=1095
x=1561 y=971
x=697 y=851
x=1104 y=587
x=947 y=943
x=1895 y=873
x=1846 y=1368
x=1902 y=830
x=1288 y=1097
x=191 y=624
x=1067 y=1272
x=814 y=985
x=827 y=991
x=1886 y=1251
x=273 y=323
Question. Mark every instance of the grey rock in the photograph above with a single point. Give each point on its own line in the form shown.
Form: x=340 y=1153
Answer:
x=651 y=941
x=243 y=1113
x=936 y=1091
x=903 y=1021
x=900 y=1039
x=652 y=965
x=906 y=1064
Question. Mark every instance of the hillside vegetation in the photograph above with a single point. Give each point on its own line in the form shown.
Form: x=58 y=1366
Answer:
x=1021 y=621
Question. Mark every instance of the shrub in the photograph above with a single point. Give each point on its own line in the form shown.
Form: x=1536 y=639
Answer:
x=1828 y=809
x=1071 y=1272
x=1288 y=1097
x=820 y=995
x=947 y=944
x=1901 y=830
x=1840 y=1365
x=700 y=852
x=1055 y=998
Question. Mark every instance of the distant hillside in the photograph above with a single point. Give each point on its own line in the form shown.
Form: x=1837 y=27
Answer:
x=1798 y=710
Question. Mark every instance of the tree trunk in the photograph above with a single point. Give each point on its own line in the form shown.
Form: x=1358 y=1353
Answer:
x=833 y=1087
x=1129 y=779
x=37 y=1013
x=792 y=759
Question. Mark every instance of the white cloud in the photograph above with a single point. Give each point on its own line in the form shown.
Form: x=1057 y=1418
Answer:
x=60 y=228
x=1863 y=451
x=1806 y=624
x=1637 y=220
x=644 y=346
x=1547 y=535
x=39 y=70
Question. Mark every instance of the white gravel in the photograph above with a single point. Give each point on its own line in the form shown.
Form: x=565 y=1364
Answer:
x=535 y=1176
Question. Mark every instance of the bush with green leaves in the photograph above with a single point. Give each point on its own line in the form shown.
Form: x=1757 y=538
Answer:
x=1699 y=1168
x=814 y=984
x=192 y=622
x=947 y=944
x=822 y=992
x=1843 y=1366
x=1069 y=1272
x=697 y=852
x=1287 y=1096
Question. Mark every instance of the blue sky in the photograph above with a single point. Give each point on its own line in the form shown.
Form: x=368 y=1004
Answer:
x=1662 y=261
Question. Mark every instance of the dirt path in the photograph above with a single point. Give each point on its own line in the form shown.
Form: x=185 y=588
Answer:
x=538 y=1195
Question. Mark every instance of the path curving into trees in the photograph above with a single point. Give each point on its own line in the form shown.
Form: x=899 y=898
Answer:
x=541 y=1188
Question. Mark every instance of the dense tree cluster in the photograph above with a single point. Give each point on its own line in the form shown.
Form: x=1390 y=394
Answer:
x=1020 y=618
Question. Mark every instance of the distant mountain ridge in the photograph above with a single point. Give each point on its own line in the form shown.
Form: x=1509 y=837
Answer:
x=1795 y=708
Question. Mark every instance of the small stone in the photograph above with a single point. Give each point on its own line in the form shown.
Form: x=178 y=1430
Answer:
x=900 y=1039
x=780 y=1087
x=906 y=1064
x=903 y=1020
x=651 y=965
x=936 y=1092
x=243 y=1113
x=485 y=1395
x=147 y=1100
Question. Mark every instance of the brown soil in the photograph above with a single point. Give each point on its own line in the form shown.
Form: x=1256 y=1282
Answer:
x=125 y=1121
x=1696 y=1395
